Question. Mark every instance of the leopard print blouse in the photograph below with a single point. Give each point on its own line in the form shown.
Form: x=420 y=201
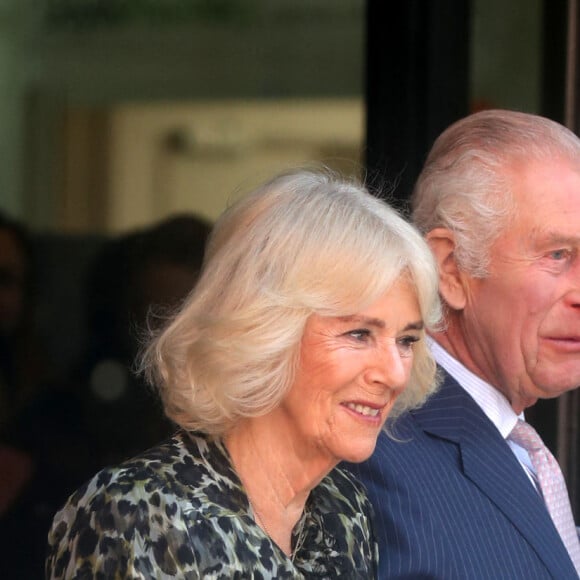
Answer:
x=179 y=511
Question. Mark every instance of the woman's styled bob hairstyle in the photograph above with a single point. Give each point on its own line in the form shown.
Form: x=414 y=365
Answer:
x=305 y=242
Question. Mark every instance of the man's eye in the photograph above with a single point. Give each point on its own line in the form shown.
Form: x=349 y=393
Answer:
x=561 y=254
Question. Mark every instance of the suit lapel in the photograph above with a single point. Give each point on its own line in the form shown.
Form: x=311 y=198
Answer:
x=486 y=459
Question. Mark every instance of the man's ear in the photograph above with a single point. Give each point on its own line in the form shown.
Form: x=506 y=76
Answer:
x=451 y=281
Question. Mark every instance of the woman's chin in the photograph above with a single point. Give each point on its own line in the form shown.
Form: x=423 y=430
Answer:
x=359 y=453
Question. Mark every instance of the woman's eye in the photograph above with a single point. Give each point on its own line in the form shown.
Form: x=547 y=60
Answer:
x=406 y=343
x=359 y=334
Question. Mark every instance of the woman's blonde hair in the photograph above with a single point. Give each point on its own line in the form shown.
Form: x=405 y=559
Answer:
x=305 y=242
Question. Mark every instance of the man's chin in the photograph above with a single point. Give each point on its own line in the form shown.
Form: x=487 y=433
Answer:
x=553 y=389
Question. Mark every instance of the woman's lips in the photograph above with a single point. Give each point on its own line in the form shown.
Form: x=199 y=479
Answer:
x=365 y=409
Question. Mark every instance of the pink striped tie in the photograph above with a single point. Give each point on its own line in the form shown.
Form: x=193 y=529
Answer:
x=552 y=485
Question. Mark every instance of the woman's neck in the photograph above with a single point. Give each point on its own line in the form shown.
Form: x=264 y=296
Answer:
x=276 y=480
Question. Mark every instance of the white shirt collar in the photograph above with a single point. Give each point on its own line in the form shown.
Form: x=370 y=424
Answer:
x=493 y=403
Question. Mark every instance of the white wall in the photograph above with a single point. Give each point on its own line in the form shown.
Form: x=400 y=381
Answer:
x=225 y=147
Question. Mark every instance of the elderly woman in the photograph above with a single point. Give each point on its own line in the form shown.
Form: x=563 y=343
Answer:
x=304 y=331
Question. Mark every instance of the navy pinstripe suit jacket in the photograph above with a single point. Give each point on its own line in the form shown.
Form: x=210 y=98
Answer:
x=453 y=503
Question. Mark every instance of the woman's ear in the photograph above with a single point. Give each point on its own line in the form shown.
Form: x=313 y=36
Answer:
x=451 y=280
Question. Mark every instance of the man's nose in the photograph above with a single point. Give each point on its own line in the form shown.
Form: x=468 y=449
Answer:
x=572 y=296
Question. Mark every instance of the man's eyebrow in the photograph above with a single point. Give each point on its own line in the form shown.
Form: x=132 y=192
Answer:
x=552 y=237
x=378 y=323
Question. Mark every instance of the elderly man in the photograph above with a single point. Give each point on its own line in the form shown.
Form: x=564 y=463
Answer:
x=463 y=489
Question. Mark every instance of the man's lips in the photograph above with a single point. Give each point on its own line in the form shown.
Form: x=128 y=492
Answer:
x=565 y=343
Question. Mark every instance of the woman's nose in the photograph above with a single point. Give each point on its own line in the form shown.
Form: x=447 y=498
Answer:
x=389 y=368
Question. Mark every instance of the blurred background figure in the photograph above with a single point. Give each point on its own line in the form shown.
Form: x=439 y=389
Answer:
x=18 y=374
x=149 y=270
x=23 y=377
x=18 y=358
x=15 y=375
x=59 y=422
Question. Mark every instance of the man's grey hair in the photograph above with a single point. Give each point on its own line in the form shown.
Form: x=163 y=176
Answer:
x=468 y=179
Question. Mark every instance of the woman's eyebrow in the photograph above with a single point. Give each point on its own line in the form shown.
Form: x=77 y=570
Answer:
x=378 y=322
